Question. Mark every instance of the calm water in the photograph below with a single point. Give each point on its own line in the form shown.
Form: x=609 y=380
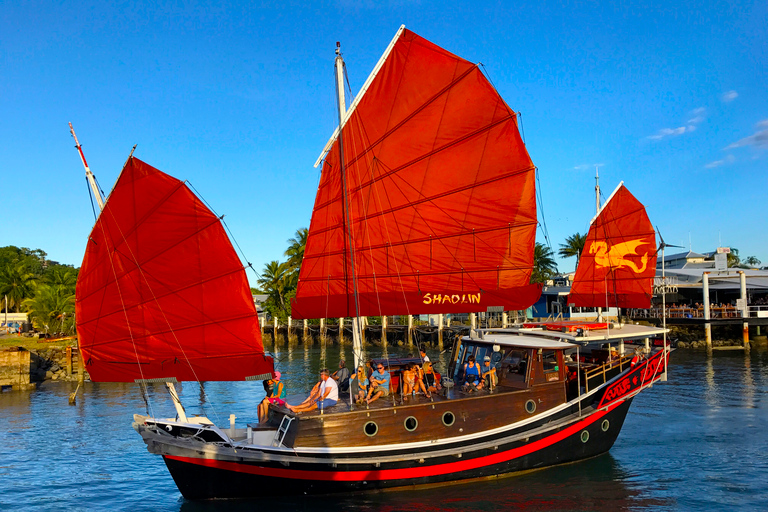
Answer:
x=698 y=442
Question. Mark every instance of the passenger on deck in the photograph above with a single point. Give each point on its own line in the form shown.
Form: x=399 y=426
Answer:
x=325 y=394
x=429 y=378
x=409 y=380
x=362 y=384
x=379 y=384
x=341 y=376
x=424 y=356
x=275 y=394
x=471 y=374
x=489 y=380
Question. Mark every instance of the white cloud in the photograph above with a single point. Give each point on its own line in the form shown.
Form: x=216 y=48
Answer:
x=696 y=117
x=729 y=96
x=759 y=139
x=717 y=163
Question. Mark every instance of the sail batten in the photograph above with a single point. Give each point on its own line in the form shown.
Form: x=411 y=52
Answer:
x=618 y=262
x=441 y=196
x=161 y=285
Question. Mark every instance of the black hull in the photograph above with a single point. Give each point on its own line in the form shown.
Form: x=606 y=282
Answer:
x=205 y=478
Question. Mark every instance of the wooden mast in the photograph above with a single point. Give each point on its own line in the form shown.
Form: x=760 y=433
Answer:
x=356 y=343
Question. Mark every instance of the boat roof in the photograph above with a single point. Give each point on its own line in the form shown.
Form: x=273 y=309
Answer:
x=510 y=339
x=625 y=332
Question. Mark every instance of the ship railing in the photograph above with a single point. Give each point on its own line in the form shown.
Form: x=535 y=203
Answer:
x=604 y=373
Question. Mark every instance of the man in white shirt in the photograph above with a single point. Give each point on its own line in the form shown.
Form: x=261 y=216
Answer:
x=424 y=356
x=325 y=394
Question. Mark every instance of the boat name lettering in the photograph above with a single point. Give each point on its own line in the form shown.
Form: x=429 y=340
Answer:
x=465 y=298
x=618 y=390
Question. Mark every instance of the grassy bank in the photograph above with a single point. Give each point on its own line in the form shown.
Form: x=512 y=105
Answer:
x=35 y=344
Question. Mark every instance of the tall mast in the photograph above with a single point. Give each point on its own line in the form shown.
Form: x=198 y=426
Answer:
x=88 y=174
x=597 y=192
x=356 y=343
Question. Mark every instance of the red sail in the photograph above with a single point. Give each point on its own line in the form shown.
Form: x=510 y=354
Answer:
x=161 y=293
x=618 y=263
x=440 y=192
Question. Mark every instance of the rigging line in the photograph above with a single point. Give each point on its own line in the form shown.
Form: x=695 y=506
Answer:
x=90 y=195
x=541 y=208
x=173 y=333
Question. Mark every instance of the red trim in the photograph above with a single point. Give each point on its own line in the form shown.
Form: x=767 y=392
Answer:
x=400 y=474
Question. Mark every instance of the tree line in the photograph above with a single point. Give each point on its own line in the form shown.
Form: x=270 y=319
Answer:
x=42 y=288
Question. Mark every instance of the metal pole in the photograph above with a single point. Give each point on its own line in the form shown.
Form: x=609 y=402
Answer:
x=707 y=325
x=664 y=306
x=745 y=309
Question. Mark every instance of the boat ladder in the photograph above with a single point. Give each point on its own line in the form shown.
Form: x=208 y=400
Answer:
x=282 y=430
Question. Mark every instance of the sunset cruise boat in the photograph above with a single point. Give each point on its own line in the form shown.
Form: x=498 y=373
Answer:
x=426 y=204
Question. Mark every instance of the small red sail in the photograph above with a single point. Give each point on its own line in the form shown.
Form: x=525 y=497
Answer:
x=161 y=293
x=618 y=262
x=441 y=197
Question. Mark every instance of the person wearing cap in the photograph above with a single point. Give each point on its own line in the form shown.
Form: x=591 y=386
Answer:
x=489 y=379
x=275 y=395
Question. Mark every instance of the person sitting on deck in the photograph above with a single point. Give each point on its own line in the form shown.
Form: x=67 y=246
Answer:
x=471 y=374
x=362 y=384
x=275 y=395
x=429 y=378
x=341 y=376
x=424 y=356
x=409 y=380
x=325 y=394
x=489 y=380
x=379 y=384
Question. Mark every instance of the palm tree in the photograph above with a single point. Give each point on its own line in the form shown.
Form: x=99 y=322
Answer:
x=52 y=307
x=752 y=261
x=296 y=245
x=17 y=283
x=544 y=266
x=278 y=282
x=573 y=246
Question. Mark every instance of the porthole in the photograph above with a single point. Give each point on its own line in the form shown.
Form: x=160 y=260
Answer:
x=605 y=425
x=584 y=436
x=410 y=423
x=371 y=429
x=530 y=406
x=448 y=418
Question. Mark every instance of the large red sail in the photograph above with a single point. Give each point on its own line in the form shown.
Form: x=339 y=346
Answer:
x=618 y=263
x=440 y=192
x=161 y=293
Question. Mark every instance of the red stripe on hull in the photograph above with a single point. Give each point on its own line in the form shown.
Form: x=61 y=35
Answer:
x=404 y=473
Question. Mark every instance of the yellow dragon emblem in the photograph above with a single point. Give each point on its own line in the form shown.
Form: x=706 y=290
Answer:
x=616 y=257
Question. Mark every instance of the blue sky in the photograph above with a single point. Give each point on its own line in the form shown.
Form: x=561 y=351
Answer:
x=239 y=99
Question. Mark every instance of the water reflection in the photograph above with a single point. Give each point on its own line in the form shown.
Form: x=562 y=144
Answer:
x=695 y=443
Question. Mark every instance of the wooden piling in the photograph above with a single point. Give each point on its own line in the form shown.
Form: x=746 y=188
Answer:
x=341 y=331
x=440 y=332
x=707 y=324
x=384 y=330
x=410 y=330
x=504 y=320
x=69 y=360
x=322 y=329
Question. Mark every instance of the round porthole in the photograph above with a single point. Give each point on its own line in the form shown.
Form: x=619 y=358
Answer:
x=530 y=406
x=605 y=425
x=410 y=423
x=448 y=418
x=371 y=428
x=584 y=436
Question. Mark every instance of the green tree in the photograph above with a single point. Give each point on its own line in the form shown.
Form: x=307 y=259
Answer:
x=279 y=282
x=52 y=308
x=573 y=246
x=752 y=261
x=733 y=258
x=16 y=282
x=544 y=266
x=296 y=246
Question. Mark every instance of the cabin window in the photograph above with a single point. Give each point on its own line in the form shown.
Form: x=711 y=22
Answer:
x=371 y=429
x=448 y=418
x=514 y=366
x=551 y=367
x=411 y=423
x=530 y=406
